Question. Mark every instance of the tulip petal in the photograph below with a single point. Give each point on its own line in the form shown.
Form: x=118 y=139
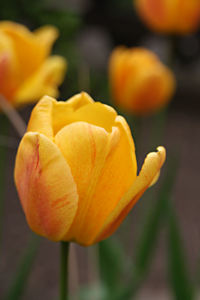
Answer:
x=46 y=36
x=94 y=113
x=79 y=100
x=41 y=117
x=117 y=174
x=149 y=171
x=97 y=114
x=85 y=148
x=151 y=90
x=140 y=89
x=65 y=112
x=49 y=115
x=43 y=82
x=45 y=186
x=81 y=108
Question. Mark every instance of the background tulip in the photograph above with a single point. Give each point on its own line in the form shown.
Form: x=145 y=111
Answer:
x=26 y=70
x=169 y=16
x=139 y=82
x=76 y=170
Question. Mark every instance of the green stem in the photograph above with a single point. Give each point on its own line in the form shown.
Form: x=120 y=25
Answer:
x=3 y=151
x=64 y=254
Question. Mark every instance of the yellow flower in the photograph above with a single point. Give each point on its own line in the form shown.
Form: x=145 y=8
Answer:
x=170 y=16
x=139 y=82
x=76 y=170
x=27 y=72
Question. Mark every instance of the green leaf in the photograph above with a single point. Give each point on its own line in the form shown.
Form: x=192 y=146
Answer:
x=178 y=271
x=19 y=281
x=111 y=261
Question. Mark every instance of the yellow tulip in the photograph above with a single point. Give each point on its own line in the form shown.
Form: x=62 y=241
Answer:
x=170 y=16
x=76 y=170
x=27 y=72
x=139 y=82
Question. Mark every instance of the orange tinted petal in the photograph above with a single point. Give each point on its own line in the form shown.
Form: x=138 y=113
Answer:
x=170 y=16
x=8 y=68
x=140 y=83
x=45 y=186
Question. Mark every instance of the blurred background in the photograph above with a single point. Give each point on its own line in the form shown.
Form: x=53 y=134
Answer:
x=89 y=30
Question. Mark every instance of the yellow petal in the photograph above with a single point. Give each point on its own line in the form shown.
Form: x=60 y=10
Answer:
x=43 y=82
x=79 y=100
x=64 y=112
x=29 y=51
x=81 y=107
x=149 y=171
x=94 y=113
x=45 y=186
x=117 y=174
x=49 y=115
x=85 y=148
x=97 y=114
x=41 y=117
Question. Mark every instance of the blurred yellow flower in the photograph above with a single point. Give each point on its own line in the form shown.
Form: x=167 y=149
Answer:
x=170 y=16
x=27 y=72
x=76 y=170
x=139 y=82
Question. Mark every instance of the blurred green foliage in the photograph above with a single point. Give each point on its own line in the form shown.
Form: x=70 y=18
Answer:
x=20 y=278
x=179 y=275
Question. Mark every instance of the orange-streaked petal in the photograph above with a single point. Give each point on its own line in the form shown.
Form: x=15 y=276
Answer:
x=149 y=171
x=43 y=82
x=116 y=177
x=46 y=187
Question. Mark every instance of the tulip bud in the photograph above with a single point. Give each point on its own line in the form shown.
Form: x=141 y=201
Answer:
x=170 y=16
x=139 y=82
x=76 y=170
x=27 y=72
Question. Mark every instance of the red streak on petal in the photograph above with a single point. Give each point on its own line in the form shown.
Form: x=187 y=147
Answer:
x=60 y=202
